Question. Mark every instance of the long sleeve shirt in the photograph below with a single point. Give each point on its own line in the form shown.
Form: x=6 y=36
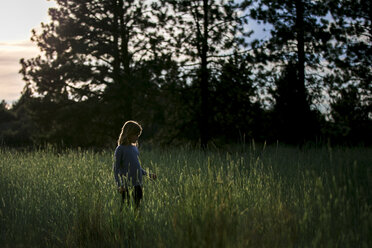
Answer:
x=127 y=167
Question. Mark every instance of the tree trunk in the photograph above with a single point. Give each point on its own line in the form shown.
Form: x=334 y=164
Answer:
x=125 y=59
x=300 y=46
x=116 y=34
x=302 y=107
x=204 y=136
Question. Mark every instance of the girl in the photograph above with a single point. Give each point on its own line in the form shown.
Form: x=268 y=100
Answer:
x=127 y=169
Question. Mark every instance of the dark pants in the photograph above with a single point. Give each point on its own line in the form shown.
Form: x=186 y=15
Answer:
x=136 y=194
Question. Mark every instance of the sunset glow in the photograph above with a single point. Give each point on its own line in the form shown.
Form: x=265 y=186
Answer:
x=18 y=18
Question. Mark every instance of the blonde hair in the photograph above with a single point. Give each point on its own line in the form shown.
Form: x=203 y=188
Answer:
x=129 y=128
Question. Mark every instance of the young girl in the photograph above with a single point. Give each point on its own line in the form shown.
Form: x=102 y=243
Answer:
x=127 y=169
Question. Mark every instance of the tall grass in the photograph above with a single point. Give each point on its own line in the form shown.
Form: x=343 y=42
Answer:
x=272 y=196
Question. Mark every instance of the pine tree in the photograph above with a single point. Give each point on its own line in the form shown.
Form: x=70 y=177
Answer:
x=201 y=32
x=299 y=38
x=350 y=55
x=90 y=54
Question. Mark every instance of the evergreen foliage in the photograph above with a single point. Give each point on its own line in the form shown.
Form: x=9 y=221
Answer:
x=186 y=71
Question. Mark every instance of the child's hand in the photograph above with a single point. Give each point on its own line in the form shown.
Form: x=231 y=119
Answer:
x=121 y=189
x=153 y=176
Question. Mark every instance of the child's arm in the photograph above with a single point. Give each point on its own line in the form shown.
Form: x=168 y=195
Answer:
x=137 y=161
x=118 y=154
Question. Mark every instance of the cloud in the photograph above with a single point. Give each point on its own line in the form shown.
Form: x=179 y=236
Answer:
x=17 y=43
x=11 y=83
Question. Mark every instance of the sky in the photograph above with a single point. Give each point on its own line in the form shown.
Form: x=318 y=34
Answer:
x=17 y=19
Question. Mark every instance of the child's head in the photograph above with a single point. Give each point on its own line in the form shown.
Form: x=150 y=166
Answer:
x=130 y=132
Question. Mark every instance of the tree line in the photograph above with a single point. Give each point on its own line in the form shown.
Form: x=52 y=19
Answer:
x=190 y=71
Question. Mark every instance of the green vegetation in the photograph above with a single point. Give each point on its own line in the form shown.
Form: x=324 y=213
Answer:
x=266 y=197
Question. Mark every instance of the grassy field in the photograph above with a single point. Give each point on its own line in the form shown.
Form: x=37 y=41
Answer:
x=260 y=197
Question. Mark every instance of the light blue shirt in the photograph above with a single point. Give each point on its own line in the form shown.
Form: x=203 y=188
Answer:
x=127 y=166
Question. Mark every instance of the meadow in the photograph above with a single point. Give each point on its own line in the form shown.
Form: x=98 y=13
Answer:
x=251 y=196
